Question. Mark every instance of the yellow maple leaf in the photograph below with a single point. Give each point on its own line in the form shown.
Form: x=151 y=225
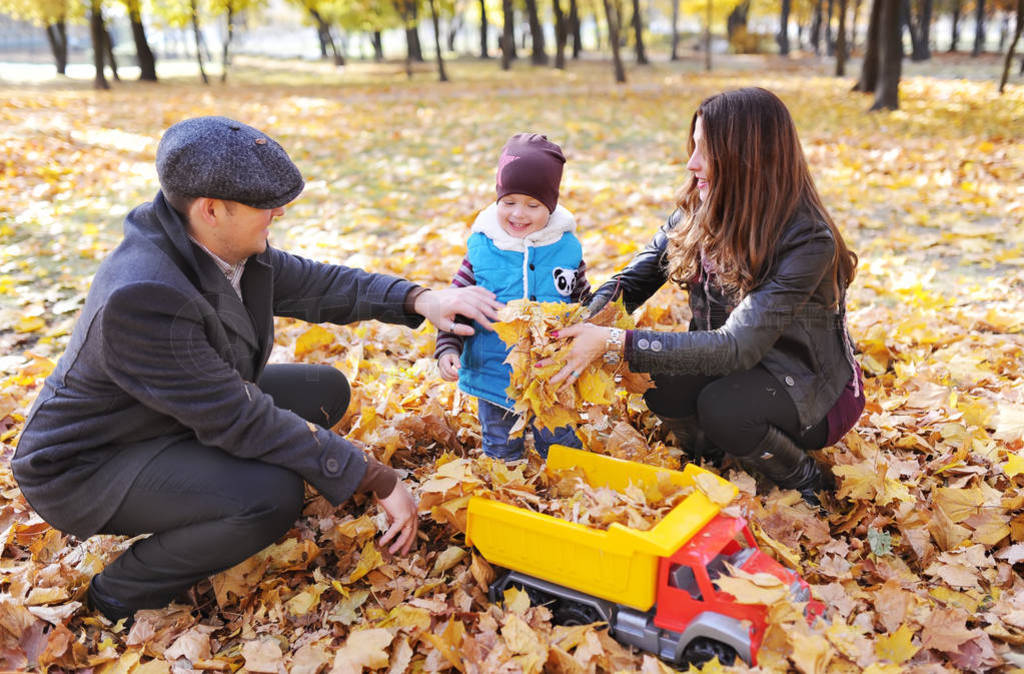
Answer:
x=1014 y=464
x=897 y=647
x=449 y=642
x=312 y=339
x=452 y=555
x=753 y=588
x=811 y=652
x=516 y=600
x=717 y=490
x=369 y=559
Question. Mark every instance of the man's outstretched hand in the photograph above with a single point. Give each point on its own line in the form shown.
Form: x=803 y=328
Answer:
x=440 y=307
x=400 y=507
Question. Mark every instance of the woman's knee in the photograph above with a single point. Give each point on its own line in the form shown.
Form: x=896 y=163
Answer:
x=729 y=421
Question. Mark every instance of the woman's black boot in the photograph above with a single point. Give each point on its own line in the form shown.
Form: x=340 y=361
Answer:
x=779 y=459
x=690 y=437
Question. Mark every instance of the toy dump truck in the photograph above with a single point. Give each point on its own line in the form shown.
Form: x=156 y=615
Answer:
x=653 y=588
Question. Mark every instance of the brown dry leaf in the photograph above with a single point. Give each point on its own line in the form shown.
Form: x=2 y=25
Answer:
x=946 y=630
x=263 y=655
x=363 y=648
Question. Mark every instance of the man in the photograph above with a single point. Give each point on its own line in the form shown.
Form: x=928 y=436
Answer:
x=163 y=418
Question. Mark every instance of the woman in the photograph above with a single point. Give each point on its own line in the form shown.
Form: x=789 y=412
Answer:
x=766 y=370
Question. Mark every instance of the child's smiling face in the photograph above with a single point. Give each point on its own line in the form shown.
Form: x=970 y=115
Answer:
x=521 y=215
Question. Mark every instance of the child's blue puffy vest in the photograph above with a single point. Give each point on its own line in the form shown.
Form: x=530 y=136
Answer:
x=550 y=272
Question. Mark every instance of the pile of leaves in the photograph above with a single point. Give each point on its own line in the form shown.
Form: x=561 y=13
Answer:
x=919 y=554
x=536 y=356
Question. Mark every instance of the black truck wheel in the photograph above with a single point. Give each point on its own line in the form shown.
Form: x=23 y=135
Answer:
x=702 y=650
x=567 y=612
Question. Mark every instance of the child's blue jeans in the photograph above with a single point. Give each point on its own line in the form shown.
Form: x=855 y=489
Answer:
x=495 y=424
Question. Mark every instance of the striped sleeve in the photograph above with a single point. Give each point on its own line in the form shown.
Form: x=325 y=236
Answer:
x=581 y=288
x=449 y=342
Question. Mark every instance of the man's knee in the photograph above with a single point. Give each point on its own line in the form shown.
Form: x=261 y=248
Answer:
x=269 y=510
x=339 y=394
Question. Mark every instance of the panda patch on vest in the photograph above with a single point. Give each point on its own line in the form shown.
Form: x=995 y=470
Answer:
x=565 y=280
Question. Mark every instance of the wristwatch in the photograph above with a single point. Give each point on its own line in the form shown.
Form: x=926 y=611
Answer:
x=613 y=346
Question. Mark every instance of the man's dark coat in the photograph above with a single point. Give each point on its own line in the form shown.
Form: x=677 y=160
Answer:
x=164 y=351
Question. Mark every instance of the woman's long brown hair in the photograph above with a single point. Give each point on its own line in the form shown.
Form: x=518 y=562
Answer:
x=758 y=179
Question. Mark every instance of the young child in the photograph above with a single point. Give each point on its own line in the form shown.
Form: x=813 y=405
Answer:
x=522 y=246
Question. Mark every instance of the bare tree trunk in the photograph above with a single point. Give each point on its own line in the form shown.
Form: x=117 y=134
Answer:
x=454 y=28
x=442 y=76
x=853 y=25
x=323 y=30
x=954 y=28
x=538 y=55
x=1013 y=46
x=378 y=46
x=108 y=49
x=97 y=32
x=638 y=34
x=508 y=38
x=199 y=41
x=574 y=28
x=869 y=68
x=830 y=44
x=561 y=34
x=484 y=27
x=57 y=36
x=841 y=52
x=890 y=43
x=925 y=29
x=783 y=37
x=816 y=28
x=613 y=15
x=143 y=53
x=225 y=56
x=979 y=27
x=707 y=38
x=675 y=30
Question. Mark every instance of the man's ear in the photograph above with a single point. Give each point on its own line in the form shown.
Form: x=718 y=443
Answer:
x=204 y=209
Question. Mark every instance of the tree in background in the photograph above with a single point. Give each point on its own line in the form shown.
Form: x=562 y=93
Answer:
x=508 y=38
x=918 y=19
x=979 y=27
x=842 y=50
x=538 y=55
x=638 y=34
x=441 y=74
x=869 y=66
x=53 y=16
x=674 y=55
x=98 y=35
x=143 y=52
x=561 y=33
x=484 y=28
x=182 y=13
x=783 y=36
x=1013 y=46
x=890 y=57
x=613 y=16
x=232 y=11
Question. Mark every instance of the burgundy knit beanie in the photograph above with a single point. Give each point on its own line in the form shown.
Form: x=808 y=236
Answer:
x=531 y=164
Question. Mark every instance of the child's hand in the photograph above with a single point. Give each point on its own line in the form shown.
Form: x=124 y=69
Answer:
x=449 y=365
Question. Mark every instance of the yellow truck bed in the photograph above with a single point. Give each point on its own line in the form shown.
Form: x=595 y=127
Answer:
x=619 y=564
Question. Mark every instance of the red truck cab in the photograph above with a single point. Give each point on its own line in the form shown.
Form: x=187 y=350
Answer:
x=686 y=589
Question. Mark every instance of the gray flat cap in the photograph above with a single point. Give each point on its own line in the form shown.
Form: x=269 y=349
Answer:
x=220 y=158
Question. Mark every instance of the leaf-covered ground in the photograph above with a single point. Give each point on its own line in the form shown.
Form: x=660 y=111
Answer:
x=919 y=558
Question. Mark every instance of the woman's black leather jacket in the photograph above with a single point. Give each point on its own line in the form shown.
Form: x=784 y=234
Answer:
x=786 y=324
